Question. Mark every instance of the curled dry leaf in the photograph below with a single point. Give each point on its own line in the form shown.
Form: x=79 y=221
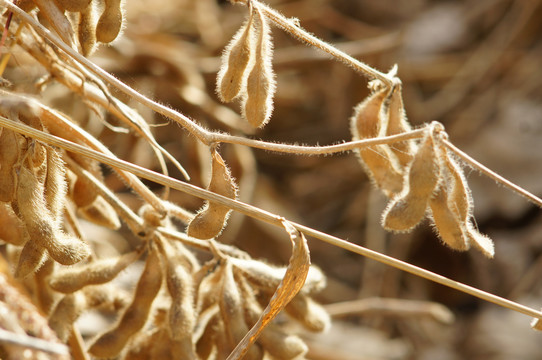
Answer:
x=232 y=75
x=407 y=209
x=212 y=218
x=293 y=281
x=366 y=123
x=257 y=103
x=112 y=342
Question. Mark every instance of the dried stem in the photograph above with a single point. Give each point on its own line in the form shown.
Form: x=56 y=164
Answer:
x=265 y=216
x=291 y=27
x=30 y=342
x=493 y=175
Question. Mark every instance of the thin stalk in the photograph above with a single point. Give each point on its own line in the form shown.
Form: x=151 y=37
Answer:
x=292 y=28
x=265 y=216
x=492 y=174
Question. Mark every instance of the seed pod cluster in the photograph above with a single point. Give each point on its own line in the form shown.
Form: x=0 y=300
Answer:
x=211 y=219
x=247 y=70
x=420 y=178
x=84 y=24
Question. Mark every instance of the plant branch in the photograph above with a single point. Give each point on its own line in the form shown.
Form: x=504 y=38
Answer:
x=292 y=27
x=263 y=215
x=492 y=174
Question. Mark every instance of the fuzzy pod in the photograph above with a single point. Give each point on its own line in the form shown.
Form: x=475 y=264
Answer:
x=96 y=272
x=42 y=228
x=31 y=258
x=236 y=57
x=448 y=226
x=73 y=5
x=257 y=104
x=65 y=313
x=268 y=278
x=10 y=154
x=366 y=123
x=100 y=212
x=397 y=124
x=309 y=313
x=211 y=219
x=11 y=229
x=408 y=208
x=480 y=241
x=55 y=187
x=182 y=314
x=110 y=22
x=86 y=30
x=111 y=343
x=232 y=304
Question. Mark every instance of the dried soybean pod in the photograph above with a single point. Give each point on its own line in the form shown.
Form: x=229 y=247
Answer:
x=10 y=154
x=11 y=228
x=40 y=224
x=182 y=314
x=480 y=241
x=309 y=313
x=267 y=277
x=366 y=124
x=73 y=5
x=66 y=311
x=408 y=208
x=55 y=183
x=97 y=272
x=281 y=345
x=31 y=258
x=112 y=342
x=26 y=5
x=447 y=224
x=86 y=31
x=235 y=59
x=101 y=213
x=397 y=124
x=231 y=304
x=57 y=19
x=212 y=218
x=110 y=22
x=257 y=101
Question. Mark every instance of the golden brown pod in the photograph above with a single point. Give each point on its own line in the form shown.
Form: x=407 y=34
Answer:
x=110 y=22
x=212 y=218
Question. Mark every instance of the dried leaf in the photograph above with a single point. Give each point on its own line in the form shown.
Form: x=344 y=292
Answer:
x=293 y=281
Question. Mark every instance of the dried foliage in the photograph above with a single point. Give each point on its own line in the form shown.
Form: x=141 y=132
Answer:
x=76 y=218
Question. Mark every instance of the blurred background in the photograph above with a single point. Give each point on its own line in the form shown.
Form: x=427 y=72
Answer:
x=474 y=65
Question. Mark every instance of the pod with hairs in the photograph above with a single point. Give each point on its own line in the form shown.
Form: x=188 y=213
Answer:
x=397 y=124
x=408 y=208
x=309 y=313
x=268 y=278
x=257 y=102
x=232 y=75
x=232 y=304
x=111 y=343
x=110 y=22
x=86 y=30
x=96 y=272
x=211 y=219
x=366 y=123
